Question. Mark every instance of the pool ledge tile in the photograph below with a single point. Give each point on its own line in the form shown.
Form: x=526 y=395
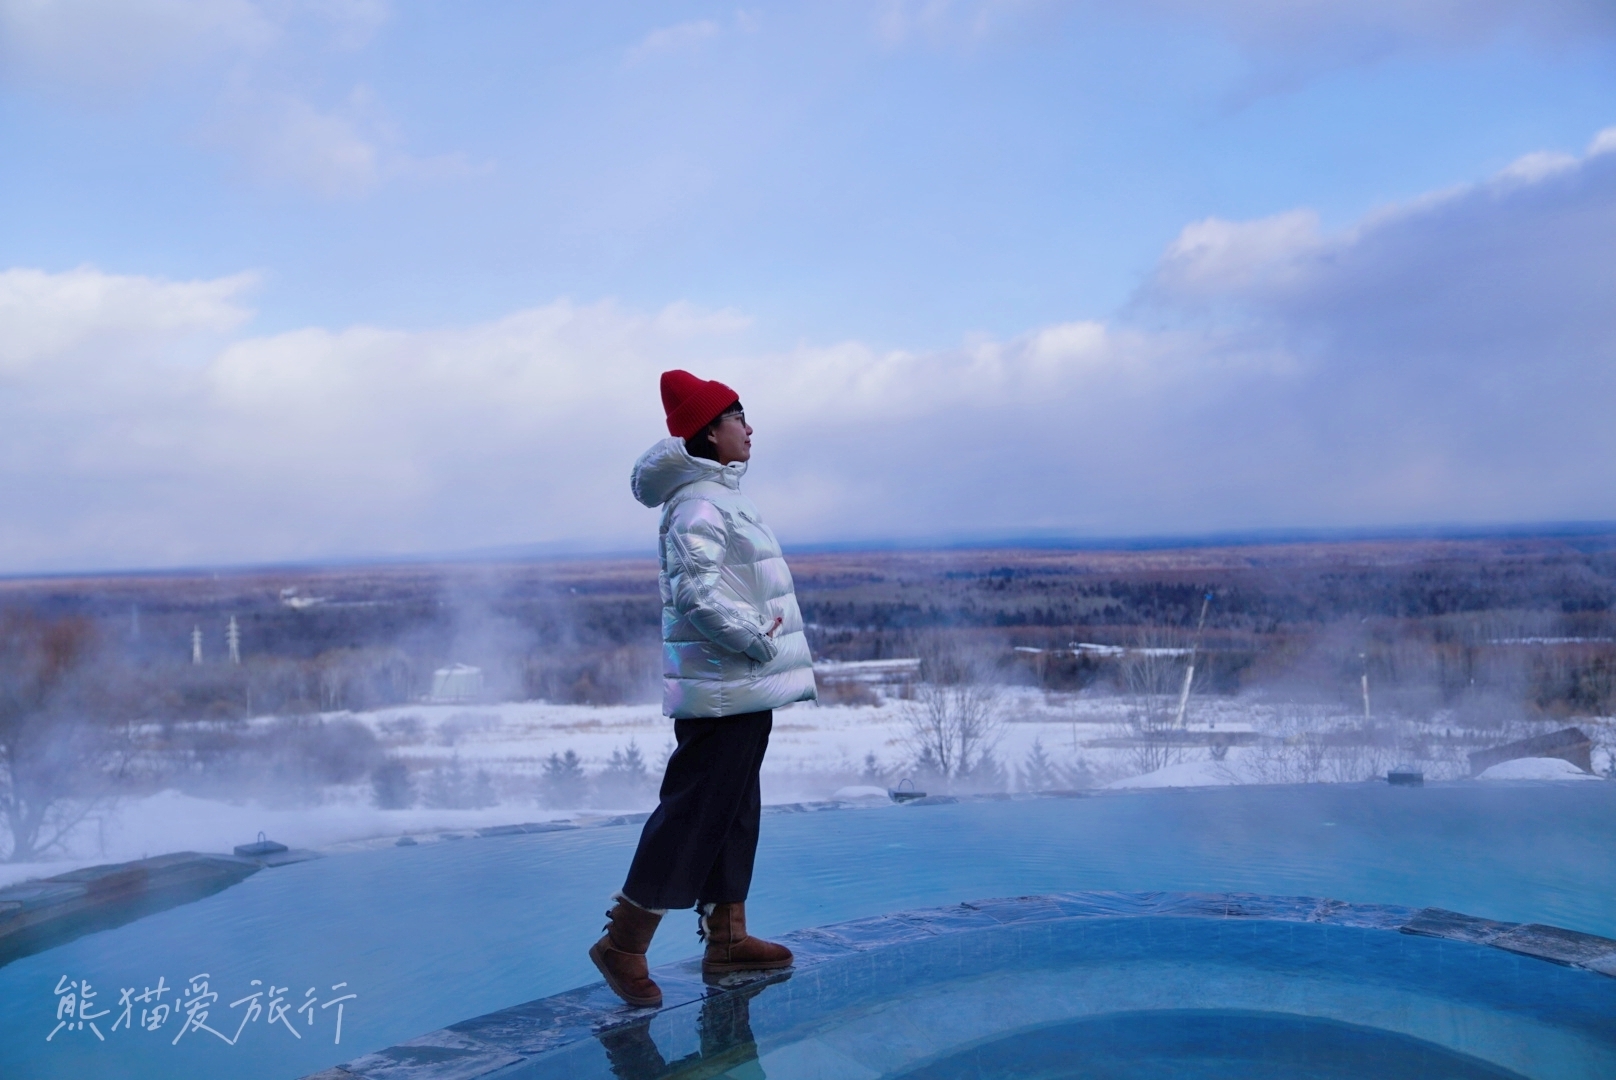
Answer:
x=483 y=1045
x=1364 y=916
x=1605 y=965
x=1552 y=943
x=1020 y=909
x=1456 y=926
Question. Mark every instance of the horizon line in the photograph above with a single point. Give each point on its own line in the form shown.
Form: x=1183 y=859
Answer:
x=1029 y=540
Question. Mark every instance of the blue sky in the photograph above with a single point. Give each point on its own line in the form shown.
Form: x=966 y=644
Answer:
x=285 y=279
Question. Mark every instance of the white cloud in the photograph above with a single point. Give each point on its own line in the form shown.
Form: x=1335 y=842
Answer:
x=52 y=318
x=1456 y=357
x=850 y=382
x=672 y=39
x=115 y=43
x=350 y=23
x=286 y=140
x=1372 y=27
x=688 y=37
x=1451 y=359
x=1603 y=143
x=899 y=21
x=1215 y=256
x=236 y=51
x=1535 y=167
x=368 y=439
x=1284 y=41
x=134 y=435
x=344 y=151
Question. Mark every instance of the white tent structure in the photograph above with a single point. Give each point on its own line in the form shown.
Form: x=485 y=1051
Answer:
x=456 y=684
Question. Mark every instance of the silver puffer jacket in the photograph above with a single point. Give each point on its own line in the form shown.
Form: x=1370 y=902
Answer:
x=723 y=582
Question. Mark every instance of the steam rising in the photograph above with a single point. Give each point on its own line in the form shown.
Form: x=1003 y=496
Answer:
x=958 y=671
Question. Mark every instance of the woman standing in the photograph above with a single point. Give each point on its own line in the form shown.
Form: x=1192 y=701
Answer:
x=733 y=651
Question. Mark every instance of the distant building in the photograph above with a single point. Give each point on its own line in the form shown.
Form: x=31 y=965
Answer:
x=291 y=598
x=456 y=684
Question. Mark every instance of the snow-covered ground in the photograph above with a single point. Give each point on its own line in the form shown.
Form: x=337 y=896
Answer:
x=1535 y=768
x=816 y=753
x=810 y=742
x=1202 y=772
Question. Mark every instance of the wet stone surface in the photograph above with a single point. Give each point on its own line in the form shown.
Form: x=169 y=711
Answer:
x=527 y=827
x=37 y=915
x=1605 y=965
x=1454 y=926
x=1552 y=943
x=484 y=1045
x=441 y=1055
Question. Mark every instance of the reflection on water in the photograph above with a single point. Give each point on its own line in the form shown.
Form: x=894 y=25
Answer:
x=727 y=1046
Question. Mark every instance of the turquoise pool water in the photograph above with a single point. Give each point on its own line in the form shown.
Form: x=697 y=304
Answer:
x=430 y=935
x=1091 y=985
x=1207 y=1044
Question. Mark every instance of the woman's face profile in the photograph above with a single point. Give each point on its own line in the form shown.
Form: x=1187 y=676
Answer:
x=732 y=438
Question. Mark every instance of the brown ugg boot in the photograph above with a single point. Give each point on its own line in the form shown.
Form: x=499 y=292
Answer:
x=620 y=954
x=730 y=948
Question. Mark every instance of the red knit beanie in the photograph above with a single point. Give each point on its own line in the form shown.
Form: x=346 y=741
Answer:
x=692 y=403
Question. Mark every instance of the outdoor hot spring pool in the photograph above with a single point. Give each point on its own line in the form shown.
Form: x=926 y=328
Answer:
x=1138 y=985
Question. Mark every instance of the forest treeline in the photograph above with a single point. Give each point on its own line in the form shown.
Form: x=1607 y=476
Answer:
x=125 y=683
x=1518 y=624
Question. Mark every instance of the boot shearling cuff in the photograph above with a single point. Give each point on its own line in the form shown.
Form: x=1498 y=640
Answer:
x=635 y=903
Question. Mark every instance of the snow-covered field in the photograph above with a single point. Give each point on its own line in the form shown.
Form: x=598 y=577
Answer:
x=1535 y=768
x=815 y=752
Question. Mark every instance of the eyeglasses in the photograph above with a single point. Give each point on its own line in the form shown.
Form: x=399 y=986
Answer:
x=741 y=416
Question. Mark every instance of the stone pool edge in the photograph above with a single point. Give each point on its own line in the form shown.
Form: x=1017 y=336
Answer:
x=482 y=1045
x=42 y=913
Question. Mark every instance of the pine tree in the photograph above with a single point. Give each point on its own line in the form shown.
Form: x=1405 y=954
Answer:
x=624 y=781
x=482 y=791
x=1077 y=775
x=626 y=765
x=446 y=789
x=390 y=786
x=985 y=775
x=874 y=774
x=564 y=784
x=1038 y=772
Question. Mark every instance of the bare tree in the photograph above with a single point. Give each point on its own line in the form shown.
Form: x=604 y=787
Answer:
x=1295 y=753
x=1358 y=755
x=953 y=730
x=1604 y=738
x=54 y=756
x=1152 y=673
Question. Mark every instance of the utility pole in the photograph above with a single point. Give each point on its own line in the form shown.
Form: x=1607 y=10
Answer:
x=1189 y=672
x=196 y=644
x=232 y=637
x=1364 y=681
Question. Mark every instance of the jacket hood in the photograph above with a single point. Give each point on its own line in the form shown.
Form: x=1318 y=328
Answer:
x=668 y=466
